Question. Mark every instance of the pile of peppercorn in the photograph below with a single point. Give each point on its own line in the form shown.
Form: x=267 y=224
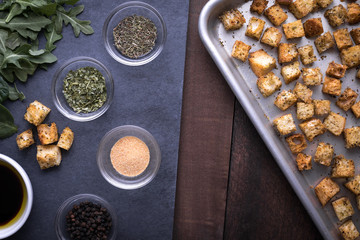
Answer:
x=88 y=221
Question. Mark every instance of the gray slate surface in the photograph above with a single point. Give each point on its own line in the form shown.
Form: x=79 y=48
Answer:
x=148 y=96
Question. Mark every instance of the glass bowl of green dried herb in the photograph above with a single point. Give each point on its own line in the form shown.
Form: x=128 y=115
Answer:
x=134 y=33
x=82 y=89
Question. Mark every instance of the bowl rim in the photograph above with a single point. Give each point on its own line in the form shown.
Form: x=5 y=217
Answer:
x=125 y=60
x=110 y=92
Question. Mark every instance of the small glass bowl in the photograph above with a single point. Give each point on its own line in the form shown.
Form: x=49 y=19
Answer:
x=106 y=167
x=57 y=88
x=67 y=205
x=126 y=10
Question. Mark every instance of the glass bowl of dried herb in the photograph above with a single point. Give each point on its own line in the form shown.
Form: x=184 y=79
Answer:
x=82 y=89
x=134 y=33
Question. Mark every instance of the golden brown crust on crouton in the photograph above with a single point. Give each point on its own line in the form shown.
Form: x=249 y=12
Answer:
x=353 y=13
x=268 y=84
x=355 y=34
x=347 y=99
x=351 y=56
x=48 y=156
x=323 y=3
x=285 y=124
x=47 y=134
x=272 y=37
x=240 y=50
x=336 y=70
x=313 y=27
x=343 y=208
x=304 y=111
x=352 y=137
x=293 y=29
x=326 y=189
x=342 y=38
x=322 y=107
x=343 y=168
x=348 y=230
x=324 y=42
x=258 y=6
x=255 y=28
x=296 y=143
x=301 y=8
x=312 y=76
x=25 y=139
x=354 y=185
x=312 y=128
x=36 y=113
x=303 y=93
x=285 y=99
x=276 y=15
x=336 y=15
x=291 y=72
x=335 y=123
x=332 y=86
x=324 y=154
x=232 y=19
x=303 y=162
x=287 y=52
x=307 y=55
x=356 y=109
x=66 y=139
x=261 y=62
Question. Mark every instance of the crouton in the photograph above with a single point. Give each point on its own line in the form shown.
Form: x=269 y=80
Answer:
x=322 y=107
x=343 y=208
x=358 y=201
x=276 y=15
x=336 y=15
x=348 y=230
x=291 y=72
x=284 y=2
x=301 y=8
x=258 y=6
x=47 y=134
x=354 y=185
x=272 y=37
x=343 y=168
x=311 y=76
x=332 y=86
x=307 y=55
x=351 y=56
x=342 y=38
x=323 y=3
x=312 y=128
x=261 y=63
x=285 y=99
x=293 y=29
x=352 y=137
x=353 y=13
x=287 y=52
x=232 y=19
x=48 y=156
x=240 y=50
x=355 y=34
x=324 y=154
x=25 y=139
x=313 y=27
x=66 y=139
x=347 y=99
x=285 y=124
x=324 y=42
x=336 y=70
x=296 y=142
x=255 y=28
x=303 y=162
x=303 y=93
x=356 y=109
x=36 y=113
x=326 y=190
x=304 y=111
x=268 y=84
x=335 y=123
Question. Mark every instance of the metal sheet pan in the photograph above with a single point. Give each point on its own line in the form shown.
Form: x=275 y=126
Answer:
x=262 y=111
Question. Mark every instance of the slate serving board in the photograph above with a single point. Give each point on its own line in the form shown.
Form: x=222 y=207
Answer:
x=148 y=96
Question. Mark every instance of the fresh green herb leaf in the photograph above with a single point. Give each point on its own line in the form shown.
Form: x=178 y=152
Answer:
x=15 y=94
x=15 y=10
x=51 y=36
x=68 y=2
x=3 y=37
x=14 y=40
x=4 y=90
x=7 y=126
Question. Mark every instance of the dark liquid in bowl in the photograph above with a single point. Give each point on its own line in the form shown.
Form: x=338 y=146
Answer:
x=11 y=194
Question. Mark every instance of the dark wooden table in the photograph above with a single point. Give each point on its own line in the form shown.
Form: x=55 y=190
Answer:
x=229 y=186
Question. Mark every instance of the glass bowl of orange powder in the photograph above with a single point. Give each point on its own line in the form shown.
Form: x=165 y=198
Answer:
x=128 y=157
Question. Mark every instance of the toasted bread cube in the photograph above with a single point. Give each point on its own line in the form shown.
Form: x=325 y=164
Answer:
x=232 y=19
x=47 y=134
x=268 y=84
x=287 y=52
x=66 y=139
x=336 y=15
x=255 y=28
x=25 y=139
x=296 y=142
x=332 y=86
x=347 y=99
x=293 y=29
x=356 y=109
x=36 y=113
x=326 y=189
x=261 y=63
x=358 y=201
x=301 y=8
x=351 y=56
x=343 y=208
x=354 y=185
x=48 y=156
x=258 y=6
x=291 y=72
x=353 y=13
x=285 y=124
x=276 y=15
x=304 y=111
x=348 y=230
x=335 y=123
x=313 y=27
x=324 y=42
x=355 y=34
x=324 y=3
x=240 y=50
x=352 y=137
x=311 y=76
x=343 y=168
x=272 y=37
x=324 y=154
x=342 y=38
x=284 y=2
x=336 y=70
x=303 y=162
x=285 y=99
x=303 y=93
x=312 y=128
x=322 y=107
x=307 y=54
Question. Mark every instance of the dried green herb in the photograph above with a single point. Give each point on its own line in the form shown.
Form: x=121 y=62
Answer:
x=135 y=36
x=85 y=89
